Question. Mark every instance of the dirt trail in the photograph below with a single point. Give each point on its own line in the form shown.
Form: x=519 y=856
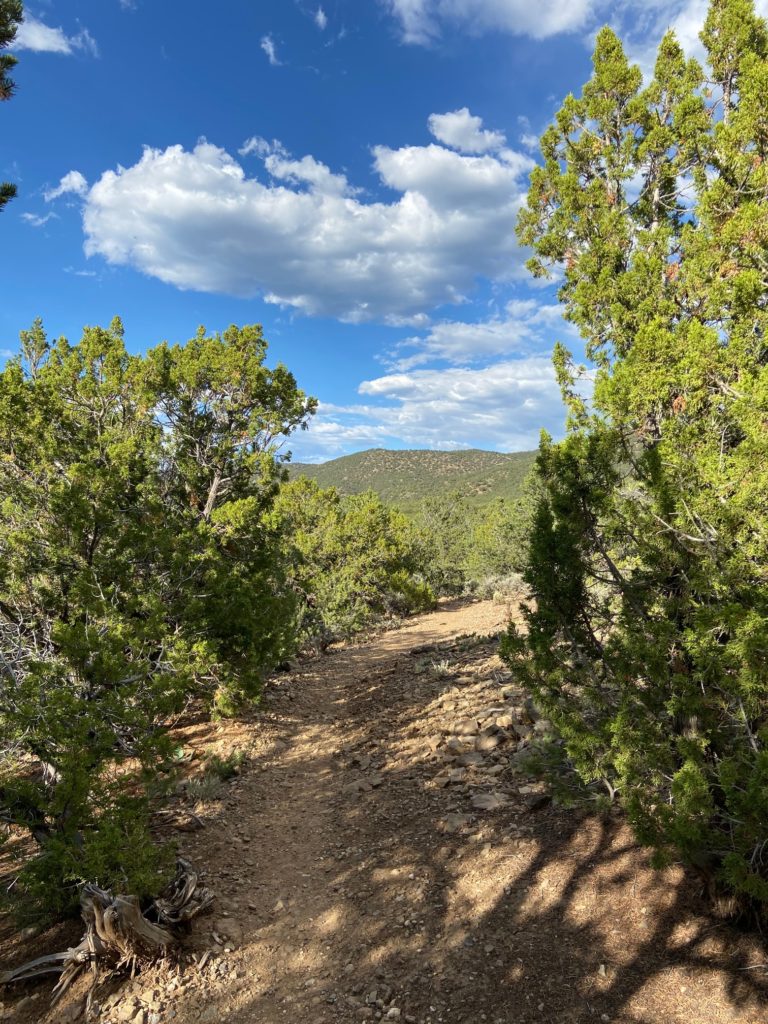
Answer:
x=357 y=878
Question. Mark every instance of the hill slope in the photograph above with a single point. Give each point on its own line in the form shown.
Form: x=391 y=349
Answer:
x=404 y=478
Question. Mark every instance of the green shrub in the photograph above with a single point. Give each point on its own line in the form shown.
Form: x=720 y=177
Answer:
x=355 y=560
x=648 y=643
x=136 y=569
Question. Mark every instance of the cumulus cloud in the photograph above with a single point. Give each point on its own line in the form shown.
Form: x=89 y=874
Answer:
x=304 y=237
x=641 y=22
x=268 y=46
x=422 y=21
x=504 y=406
x=73 y=183
x=464 y=131
x=321 y=19
x=525 y=327
x=34 y=34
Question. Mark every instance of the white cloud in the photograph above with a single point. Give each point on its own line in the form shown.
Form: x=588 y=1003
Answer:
x=35 y=220
x=258 y=146
x=525 y=325
x=503 y=406
x=268 y=46
x=33 y=34
x=72 y=182
x=80 y=273
x=305 y=238
x=321 y=19
x=421 y=21
x=464 y=131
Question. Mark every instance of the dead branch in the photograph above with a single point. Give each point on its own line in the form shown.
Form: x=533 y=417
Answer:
x=118 y=935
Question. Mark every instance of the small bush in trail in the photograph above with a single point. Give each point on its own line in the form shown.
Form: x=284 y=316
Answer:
x=355 y=561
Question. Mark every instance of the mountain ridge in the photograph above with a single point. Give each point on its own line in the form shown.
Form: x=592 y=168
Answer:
x=403 y=477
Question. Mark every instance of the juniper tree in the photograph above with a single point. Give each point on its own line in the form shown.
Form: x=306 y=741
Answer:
x=648 y=640
x=136 y=571
x=11 y=14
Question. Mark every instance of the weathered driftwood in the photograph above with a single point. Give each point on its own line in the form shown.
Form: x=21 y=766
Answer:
x=118 y=935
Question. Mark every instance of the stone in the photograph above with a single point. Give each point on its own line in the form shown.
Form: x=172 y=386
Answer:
x=466 y=727
x=127 y=1010
x=535 y=796
x=229 y=929
x=393 y=1013
x=456 y=745
x=507 y=721
x=485 y=744
x=71 y=1013
x=469 y=759
x=453 y=823
x=489 y=801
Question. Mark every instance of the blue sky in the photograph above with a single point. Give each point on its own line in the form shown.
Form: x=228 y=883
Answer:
x=346 y=173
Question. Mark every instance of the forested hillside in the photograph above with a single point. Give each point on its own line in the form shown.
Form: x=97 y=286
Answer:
x=404 y=478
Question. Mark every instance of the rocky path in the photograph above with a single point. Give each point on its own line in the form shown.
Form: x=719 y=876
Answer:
x=385 y=857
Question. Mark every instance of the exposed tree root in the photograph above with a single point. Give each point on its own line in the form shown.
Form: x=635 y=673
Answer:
x=118 y=936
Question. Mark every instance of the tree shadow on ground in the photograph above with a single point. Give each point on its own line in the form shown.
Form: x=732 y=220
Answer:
x=352 y=904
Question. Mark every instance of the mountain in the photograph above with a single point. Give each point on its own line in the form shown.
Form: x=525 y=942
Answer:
x=403 y=478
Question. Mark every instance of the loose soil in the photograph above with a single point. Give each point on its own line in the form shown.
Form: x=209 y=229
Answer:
x=385 y=856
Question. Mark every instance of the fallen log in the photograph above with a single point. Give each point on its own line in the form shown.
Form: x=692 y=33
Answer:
x=118 y=935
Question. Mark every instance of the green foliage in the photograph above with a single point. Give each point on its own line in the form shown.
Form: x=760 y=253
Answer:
x=446 y=525
x=406 y=478
x=136 y=569
x=11 y=14
x=355 y=560
x=647 y=645
x=474 y=549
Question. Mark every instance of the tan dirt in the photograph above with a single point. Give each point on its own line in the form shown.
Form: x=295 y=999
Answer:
x=357 y=879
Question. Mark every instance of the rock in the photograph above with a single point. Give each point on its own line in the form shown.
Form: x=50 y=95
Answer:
x=507 y=721
x=457 y=746
x=490 y=712
x=489 y=801
x=469 y=759
x=485 y=744
x=466 y=727
x=393 y=1013
x=376 y=780
x=457 y=775
x=229 y=928
x=453 y=823
x=535 y=796
x=72 y=1012
x=128 y=1009
x=357 y=787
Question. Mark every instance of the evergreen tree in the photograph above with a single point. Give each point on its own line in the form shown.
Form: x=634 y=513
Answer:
x=11 y=14
x=648 y=641
x=136 y=571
